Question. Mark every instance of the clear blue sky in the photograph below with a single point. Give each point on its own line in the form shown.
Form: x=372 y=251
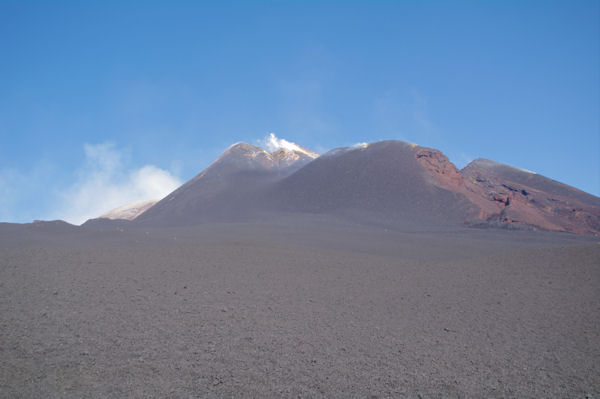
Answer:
x=93 y=92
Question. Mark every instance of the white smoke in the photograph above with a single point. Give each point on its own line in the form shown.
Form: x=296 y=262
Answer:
x=104 y=183
x=273 y=143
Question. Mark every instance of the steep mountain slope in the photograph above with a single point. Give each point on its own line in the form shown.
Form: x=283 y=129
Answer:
x=493 y=170
x=526 y=198
x=385 y=179
x=392 y=181
x=229 y=189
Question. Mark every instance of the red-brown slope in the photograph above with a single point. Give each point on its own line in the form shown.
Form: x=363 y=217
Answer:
x=530 y=199
x=508 y=195
x=444 y=174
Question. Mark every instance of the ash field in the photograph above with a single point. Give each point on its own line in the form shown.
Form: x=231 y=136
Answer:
x=379 y=271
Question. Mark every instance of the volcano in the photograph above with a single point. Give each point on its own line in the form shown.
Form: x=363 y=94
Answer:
x=393 y=181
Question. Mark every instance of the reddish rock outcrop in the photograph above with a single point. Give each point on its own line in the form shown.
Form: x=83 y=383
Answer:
x=526 y=198
x=440 y=167
x=509 y=195
x=444 y=174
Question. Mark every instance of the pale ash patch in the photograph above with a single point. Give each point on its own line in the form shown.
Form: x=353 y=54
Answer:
x=525 y=170
x=340 y=150
x=490 y=163
x=129 y=211
x=249 y=151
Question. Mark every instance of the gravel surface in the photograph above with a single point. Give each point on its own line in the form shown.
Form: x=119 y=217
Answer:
x=310 y=311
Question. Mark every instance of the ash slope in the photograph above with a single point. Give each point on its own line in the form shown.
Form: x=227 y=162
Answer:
x=382 y=181
x=229 y=189
x=399 y=183
x=300 y=310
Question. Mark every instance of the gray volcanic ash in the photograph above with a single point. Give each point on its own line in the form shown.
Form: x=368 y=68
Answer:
x=230 y=188
x=392 y=181
x=352 y=274
x=383 y=179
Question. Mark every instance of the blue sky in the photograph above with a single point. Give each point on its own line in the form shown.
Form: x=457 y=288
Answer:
x=102 y=102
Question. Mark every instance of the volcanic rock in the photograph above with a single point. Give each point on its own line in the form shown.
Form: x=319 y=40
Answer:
x=392 y=181
x=526 y=198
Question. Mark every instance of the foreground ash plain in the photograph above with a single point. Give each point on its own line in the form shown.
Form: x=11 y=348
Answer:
x=297 y=305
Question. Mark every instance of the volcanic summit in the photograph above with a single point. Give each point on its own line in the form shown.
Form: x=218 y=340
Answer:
x=393 y=181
